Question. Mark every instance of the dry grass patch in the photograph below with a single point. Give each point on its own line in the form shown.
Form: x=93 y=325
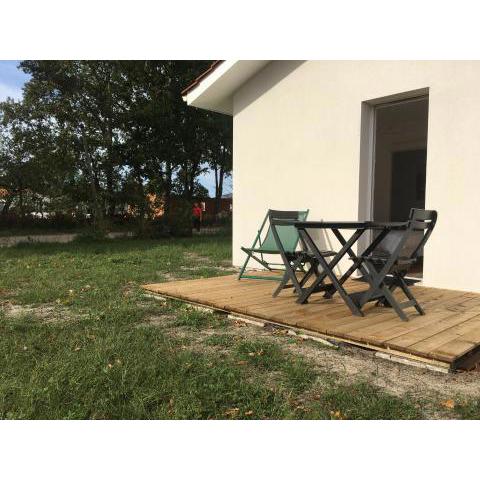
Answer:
x=48 y=313
x=197 y=257
x=157 y=321
x=350 y=365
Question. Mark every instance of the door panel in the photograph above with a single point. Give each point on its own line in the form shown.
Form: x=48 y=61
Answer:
x=399 y=159
x=408 y=183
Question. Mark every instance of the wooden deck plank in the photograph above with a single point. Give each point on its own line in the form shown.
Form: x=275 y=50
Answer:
x=449 y=330
x=462 y=344
x=360 y=324
x=392 y=328
x=471 y=335
x=454 y=349
x=470 y=305
x=439 y=300
x=445 y=336
x=428 y=331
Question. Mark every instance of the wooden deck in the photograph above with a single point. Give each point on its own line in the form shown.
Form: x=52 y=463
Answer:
x=448 y=335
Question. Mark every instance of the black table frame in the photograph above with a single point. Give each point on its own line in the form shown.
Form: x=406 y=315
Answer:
x=355 y=301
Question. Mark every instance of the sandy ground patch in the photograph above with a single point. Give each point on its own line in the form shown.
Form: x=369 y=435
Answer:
x=157 y=321
x=168 y=277
x=197 y=257
x=352 y=364
x=48 y=313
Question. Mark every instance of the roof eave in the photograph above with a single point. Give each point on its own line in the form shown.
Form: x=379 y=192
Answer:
x=214 y=91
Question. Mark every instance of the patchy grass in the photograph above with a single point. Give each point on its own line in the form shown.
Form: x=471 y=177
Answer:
x=261 y=354
x=466 y=409
x=79 y=340
x=361 y=401
x=197 y=320
x=224 y=340
x=93 y=274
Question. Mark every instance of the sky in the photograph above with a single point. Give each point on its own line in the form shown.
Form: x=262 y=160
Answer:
x=12 y=80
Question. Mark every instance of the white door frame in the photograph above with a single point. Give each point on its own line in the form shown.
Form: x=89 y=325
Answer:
x=367 y=152
x=369 y=110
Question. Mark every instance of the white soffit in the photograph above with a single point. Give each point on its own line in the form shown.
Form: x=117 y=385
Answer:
x=215 y=91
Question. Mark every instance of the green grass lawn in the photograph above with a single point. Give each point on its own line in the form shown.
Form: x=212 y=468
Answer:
x=80 y=340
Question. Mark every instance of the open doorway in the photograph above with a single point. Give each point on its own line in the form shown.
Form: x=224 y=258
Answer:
x=400 y=160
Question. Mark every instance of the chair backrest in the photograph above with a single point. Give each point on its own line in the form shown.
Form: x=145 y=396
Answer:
x=423 y=222
x=411 y=240
x=288 y=234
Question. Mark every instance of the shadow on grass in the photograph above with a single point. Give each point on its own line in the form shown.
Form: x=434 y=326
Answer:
x=100 y=246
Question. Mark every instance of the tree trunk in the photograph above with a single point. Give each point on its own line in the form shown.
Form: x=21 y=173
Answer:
x=109 y=173
x=111 y=196
x=8 y=203
x=141 y=202
x=108 y=140
x=216 y=205
x=168 y=189
x=21 y=204
x=190 y=181
x=98 y=220
x=219 y=177
x=186 y=189
x=219 y=191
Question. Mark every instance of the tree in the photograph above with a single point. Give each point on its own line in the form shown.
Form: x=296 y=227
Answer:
x=109 y=133
x=220 y=152
x=83 y=99
x=185 y=146
x=24 y=168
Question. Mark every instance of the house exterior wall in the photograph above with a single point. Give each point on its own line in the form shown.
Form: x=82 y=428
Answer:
x=297 y=144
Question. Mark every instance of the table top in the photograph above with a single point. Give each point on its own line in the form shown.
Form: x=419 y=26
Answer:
x=354 y=225
x=390 y=225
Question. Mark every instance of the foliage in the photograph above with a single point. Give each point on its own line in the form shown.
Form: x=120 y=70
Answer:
x=97 y=137
x=180 y=217
x=220 y=153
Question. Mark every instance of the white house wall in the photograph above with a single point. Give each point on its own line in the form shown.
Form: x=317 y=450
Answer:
x=296 y=145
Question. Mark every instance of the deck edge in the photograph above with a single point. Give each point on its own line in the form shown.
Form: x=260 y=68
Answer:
x=440 y=365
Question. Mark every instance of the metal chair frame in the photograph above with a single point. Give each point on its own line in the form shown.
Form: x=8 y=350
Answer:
x=258 y=249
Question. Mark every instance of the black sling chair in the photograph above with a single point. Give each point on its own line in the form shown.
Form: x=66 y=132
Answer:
x=393 y=258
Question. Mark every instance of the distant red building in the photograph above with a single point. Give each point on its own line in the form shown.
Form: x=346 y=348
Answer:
x=207 y=204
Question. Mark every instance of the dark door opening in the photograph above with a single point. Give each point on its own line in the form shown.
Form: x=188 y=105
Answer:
x=409 y=170
x=400 y=160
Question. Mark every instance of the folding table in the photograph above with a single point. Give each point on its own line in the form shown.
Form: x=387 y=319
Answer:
x=357 y=300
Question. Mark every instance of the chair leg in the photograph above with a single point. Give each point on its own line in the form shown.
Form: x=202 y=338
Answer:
x=393 y=302
x=296 y=264
x=403 y=285
x=259 y=260
x=307 y=275
x=383 y=301
x=282 y=284
x=388 y=299
x=242 y=270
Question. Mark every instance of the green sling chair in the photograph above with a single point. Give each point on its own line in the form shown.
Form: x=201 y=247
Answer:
x=267 y=246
